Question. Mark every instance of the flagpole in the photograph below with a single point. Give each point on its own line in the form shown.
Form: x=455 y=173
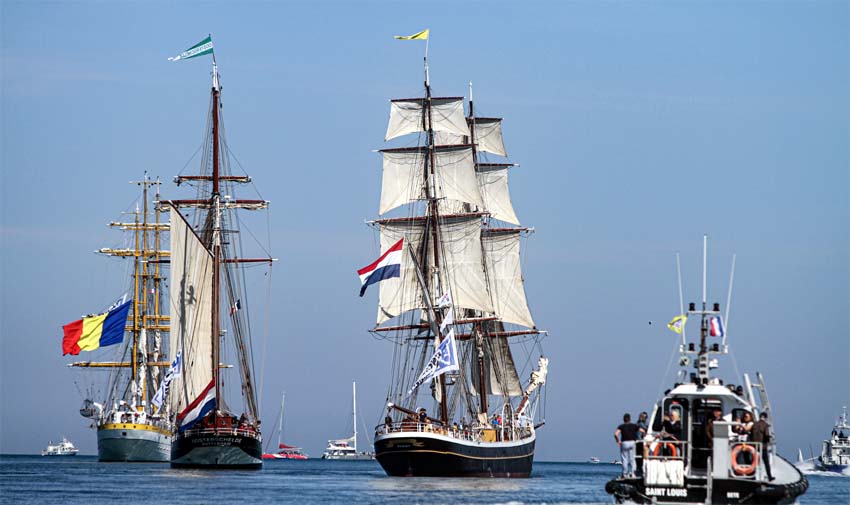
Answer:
x=681 y=299
x=728 y=301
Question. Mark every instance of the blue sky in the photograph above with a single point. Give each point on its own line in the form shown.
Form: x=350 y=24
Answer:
x=638 y=127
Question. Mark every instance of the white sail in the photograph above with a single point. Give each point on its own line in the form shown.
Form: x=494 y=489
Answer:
x=493 y=184
x=191 y=312
x=488 y=135
x=406 y=116
x=461 y=266
x=404 y=172
x=501 y=251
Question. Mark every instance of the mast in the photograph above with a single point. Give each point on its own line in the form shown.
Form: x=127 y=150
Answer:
x=216 y=247
x=135 y=301
x=280 y=426
x=477 y=328
x=435 y=233
x=354 y=403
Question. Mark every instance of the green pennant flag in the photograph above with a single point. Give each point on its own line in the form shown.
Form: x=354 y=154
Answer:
x=201 y=48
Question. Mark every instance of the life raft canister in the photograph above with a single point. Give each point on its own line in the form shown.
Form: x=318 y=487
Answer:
x=743 y=468
x=669 y=446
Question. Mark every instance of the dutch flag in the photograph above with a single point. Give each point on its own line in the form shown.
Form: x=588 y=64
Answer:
x=715 y=325
x=195 y=411
x=385 y=267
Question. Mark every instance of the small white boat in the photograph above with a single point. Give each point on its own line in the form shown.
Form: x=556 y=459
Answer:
x=63 y=448
x=593 y=460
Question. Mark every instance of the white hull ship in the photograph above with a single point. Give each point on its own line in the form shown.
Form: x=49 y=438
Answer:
x=456 y=295
x=687 y=459
x=346 y=448
x=63 y=448
x=130 y=428
x=835 y=452
x=209 y=310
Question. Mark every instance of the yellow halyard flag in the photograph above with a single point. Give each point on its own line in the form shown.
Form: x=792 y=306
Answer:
x=678 y=323
x=423 y=35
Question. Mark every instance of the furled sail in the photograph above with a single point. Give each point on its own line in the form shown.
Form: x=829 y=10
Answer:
x=504 y=379
x=488 y=135
x=191 y=312
x=501 y=252
x=493 y=184
x=404 y=172
x=461 y=265
x=406 y=116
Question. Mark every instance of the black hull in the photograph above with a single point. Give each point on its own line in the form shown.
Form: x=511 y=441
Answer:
x=419 y=455
x=723 y=491
x=224 y=450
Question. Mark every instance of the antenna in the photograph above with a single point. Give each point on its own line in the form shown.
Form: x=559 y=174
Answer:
x=704 y=262
x=728 y=301
x=681 y=300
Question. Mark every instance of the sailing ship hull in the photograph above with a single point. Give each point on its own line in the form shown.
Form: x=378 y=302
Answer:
x=130 y=442
x=723 y=491
x=213 y=449
x=433 y=455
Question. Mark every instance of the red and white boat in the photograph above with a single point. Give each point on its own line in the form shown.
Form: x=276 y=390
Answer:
x=284 y=451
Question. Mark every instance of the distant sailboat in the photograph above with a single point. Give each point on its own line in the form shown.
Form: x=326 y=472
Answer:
x=284 y=451
x=346 y=448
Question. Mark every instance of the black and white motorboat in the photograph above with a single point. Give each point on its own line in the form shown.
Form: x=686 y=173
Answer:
x=688 y=456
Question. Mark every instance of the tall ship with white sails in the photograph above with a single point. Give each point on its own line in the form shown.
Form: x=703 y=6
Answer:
x=452 y=299
x=130 y=425
x=217 y=416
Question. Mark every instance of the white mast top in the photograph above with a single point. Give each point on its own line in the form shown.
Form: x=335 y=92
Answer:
x=216 y=84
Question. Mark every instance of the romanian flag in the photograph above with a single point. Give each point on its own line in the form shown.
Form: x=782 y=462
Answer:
x=90 y=333
x=423 y=35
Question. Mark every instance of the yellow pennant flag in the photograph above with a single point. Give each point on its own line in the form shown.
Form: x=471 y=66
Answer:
x=678 y=323
x=423 y=35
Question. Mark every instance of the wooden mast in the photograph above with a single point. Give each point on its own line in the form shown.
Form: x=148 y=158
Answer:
x=477 y=328
x=435 y=218
x=136 y=272
x=216 y=243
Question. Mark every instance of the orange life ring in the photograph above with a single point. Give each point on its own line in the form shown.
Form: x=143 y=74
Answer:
x=674 y=451
x=744 y=468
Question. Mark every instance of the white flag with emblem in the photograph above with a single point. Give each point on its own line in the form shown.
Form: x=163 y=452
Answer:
x=444 y=360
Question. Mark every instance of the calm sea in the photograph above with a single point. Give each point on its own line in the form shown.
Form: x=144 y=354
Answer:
x=81 y=479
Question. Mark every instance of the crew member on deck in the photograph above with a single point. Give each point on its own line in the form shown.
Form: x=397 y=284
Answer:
x=625 y=435
x=761 y=433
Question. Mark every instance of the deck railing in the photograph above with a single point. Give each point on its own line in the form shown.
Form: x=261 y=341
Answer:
x=476 y=434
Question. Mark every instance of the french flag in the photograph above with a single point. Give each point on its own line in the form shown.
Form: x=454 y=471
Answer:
x=195 y=411
x=715 y=327
x=385 y=267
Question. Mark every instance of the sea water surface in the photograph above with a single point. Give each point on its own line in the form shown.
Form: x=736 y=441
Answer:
x=81 y=479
